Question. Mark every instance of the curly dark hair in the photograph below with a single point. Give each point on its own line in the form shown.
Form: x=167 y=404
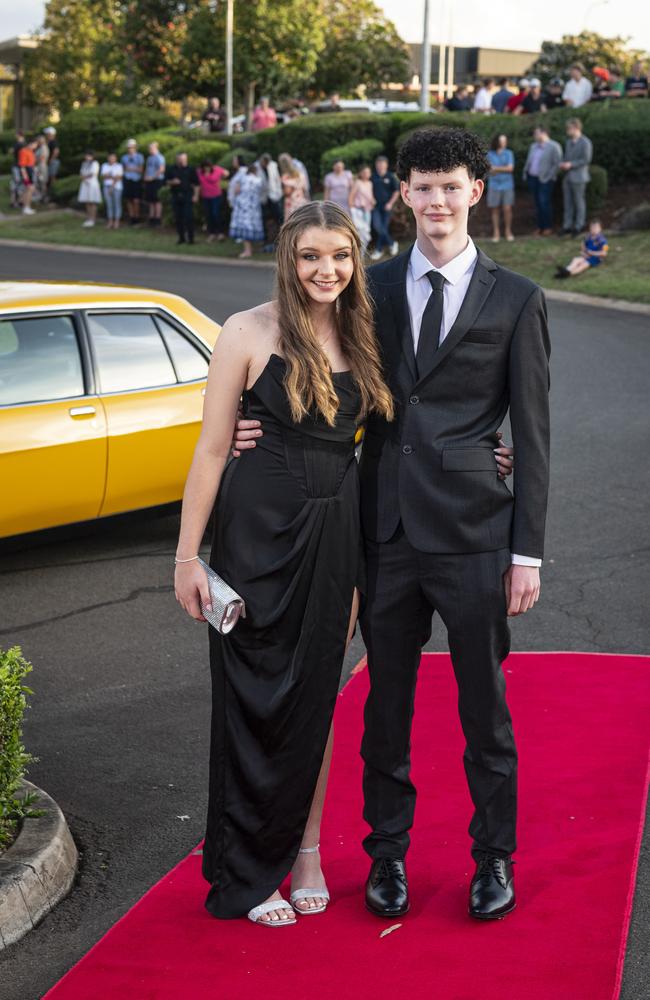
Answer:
x=441 y=150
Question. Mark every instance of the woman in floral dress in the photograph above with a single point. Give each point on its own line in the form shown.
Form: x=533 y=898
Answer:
x=246 y=220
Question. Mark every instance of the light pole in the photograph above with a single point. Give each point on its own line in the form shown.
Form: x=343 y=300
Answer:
x=229 y=34
x=425 y=63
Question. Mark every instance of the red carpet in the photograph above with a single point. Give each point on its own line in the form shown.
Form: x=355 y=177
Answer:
x=581 y=723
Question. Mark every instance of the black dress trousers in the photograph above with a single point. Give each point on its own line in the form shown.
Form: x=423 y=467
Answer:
x=405 y=587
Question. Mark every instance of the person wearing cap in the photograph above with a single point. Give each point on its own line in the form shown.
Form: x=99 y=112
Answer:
x=516 y=99
x=578 y=89
x=133 y=164
x=533 y=102
x=553 y=94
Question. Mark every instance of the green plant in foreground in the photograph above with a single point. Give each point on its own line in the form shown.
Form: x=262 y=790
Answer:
x=14 y=759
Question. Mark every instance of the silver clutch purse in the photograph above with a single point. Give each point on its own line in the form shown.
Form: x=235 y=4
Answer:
x=227 y=605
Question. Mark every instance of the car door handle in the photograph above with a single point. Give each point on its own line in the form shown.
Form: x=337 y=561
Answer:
x=82 y=411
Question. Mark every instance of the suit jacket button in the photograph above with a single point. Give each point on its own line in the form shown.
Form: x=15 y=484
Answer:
x=406 y=450
x=414 y=400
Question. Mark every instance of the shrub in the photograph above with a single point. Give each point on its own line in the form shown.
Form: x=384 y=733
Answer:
x=65 y=190
x=7 y=139
x=102 y=128
x=6 y=163
x=226 y=160
x=13 y=758
x=354 y=154
x=205 y=149
x=596 y=189
x=311 y=136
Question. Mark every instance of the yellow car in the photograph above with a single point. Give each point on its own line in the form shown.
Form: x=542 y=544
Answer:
x=101 y=397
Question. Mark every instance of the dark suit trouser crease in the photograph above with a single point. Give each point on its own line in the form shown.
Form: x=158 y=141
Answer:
x=405 y=587
x=183 y=216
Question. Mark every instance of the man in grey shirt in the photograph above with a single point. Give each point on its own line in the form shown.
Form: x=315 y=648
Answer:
x=575 y=165
x=540 y=173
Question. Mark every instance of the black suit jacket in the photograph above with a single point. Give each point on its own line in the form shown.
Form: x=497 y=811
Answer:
x=433 y=467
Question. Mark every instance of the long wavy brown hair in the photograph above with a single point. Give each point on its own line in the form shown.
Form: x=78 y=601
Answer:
x=308 y=380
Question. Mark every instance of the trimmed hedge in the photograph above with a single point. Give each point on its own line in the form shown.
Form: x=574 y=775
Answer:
x=102 y=128
x=597 y=188
x=311 y=136
x=354 y=154
x=227 y=158
x=620 y=133
x=65 y=190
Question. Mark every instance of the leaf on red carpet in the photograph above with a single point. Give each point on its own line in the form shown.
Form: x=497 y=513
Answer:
x=389 y=930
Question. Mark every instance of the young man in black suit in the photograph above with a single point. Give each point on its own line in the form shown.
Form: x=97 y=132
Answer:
x=463 y=340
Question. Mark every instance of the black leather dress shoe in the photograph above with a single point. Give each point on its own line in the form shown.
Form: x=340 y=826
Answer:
x=492 y=892
x=387 y=892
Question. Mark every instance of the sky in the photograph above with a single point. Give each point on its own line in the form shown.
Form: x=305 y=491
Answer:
x=511 y=24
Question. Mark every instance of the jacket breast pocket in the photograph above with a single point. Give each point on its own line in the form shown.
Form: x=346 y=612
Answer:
x=469 y=460
x=482 y=337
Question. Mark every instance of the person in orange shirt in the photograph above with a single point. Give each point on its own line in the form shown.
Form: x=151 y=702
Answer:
x=26 y=162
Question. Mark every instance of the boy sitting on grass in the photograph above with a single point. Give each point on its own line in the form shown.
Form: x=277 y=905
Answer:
x=593 y=252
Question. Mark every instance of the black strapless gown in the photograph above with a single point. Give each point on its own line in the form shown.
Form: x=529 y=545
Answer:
x=287 y=538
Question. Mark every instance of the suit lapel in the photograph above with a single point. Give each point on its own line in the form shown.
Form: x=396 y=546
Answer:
x=401 y=314
x=480 y=286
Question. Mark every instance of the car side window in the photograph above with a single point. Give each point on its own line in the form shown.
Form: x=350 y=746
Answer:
x=129 y=352
x=39 y=360
x=189 y=362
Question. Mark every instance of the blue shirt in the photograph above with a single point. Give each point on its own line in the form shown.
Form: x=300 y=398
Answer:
x=154 y=163
x=596 y=243
x=501 y=158
x=384 y=187
x=131 y=161
x=500 y=99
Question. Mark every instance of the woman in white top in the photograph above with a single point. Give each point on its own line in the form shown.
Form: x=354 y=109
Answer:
x=89 y=192
x=112 y=174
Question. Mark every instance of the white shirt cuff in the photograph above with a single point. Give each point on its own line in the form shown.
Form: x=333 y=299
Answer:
x=525 y=560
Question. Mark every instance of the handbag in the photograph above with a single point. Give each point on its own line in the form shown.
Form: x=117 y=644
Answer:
x=227 y=605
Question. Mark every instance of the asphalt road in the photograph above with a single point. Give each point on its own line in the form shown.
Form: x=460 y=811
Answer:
x=120 y=713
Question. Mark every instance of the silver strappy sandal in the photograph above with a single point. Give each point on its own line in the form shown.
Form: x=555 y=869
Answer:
x=278 y=904
x=300 y=894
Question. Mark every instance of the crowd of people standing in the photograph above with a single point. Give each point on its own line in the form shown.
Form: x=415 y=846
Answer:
x=36 y=163
x=527 y=96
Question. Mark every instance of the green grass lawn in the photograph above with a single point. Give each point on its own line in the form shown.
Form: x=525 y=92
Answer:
x=623 y=276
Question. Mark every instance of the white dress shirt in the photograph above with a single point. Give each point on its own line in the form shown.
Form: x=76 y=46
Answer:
x=457 y=274
x=577 y=91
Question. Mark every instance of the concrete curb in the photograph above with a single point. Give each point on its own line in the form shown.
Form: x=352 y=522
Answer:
x=140 y=254
x=37 y=871
x=575 y=298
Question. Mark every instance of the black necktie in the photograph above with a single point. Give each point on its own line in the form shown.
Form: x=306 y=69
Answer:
x=430 y=325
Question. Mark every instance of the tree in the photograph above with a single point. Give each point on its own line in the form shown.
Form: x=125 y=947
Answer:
x=80 y=60
x=277 y=45
x=588 y=48
x=363 y=48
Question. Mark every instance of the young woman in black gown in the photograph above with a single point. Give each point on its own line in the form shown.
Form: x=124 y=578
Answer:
x=287 y=539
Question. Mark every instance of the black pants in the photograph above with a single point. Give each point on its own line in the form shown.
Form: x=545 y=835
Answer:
x=184 y=216
x=405 y=587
